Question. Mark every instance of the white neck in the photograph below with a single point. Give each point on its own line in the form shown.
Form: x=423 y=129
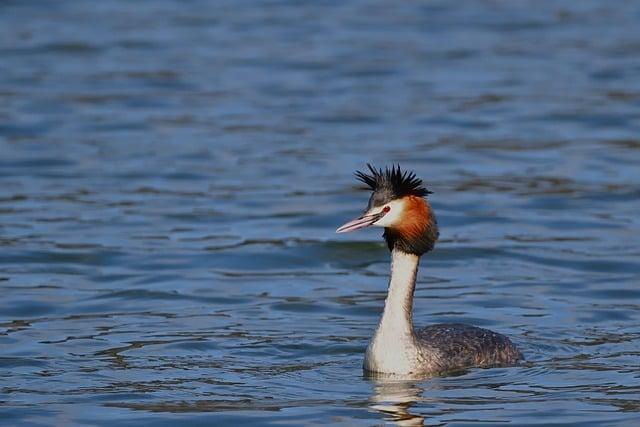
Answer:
x=393 y=347
x=398 y=308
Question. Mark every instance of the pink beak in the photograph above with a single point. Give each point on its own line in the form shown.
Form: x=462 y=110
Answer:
x=360 y=222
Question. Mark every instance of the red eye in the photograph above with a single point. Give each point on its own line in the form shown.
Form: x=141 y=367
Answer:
x=386 y=209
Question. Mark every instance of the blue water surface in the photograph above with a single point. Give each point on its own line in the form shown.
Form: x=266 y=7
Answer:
x=172 y=173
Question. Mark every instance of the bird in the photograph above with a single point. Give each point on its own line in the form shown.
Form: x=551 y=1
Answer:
x=398 y=203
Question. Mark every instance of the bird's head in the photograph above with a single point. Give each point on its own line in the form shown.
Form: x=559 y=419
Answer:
x=398 y=203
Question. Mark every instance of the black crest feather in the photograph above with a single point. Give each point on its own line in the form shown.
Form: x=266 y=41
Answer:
x=393 y=183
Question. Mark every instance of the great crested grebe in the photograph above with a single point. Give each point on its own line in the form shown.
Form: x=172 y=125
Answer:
x=410 y=229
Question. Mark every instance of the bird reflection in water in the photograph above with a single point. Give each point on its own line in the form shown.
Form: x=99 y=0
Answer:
x=394 y=396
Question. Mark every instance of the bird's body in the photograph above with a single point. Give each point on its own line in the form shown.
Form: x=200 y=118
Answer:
x=462 y=346
x=398 y=204
x=443 y=348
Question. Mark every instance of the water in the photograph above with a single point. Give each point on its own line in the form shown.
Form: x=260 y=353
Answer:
x=172 y=173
